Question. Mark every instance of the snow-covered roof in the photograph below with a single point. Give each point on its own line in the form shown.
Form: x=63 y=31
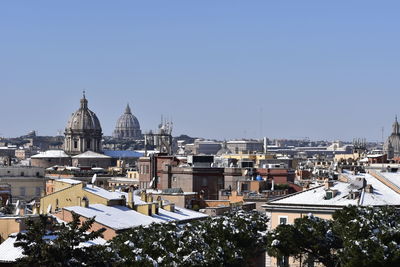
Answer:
x=90 y=154
x=121 y=217
x=113 y=195
x=381 y=195
x=180 y=214
x=115 y=217
x=103 y=192
x=51 y=154
x=68 y=181
x=392 y=177
x=9 y=253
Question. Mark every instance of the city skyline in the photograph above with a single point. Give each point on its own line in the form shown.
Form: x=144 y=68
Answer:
x=221 y=70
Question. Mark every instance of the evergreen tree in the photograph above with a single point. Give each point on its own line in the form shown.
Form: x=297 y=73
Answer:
x=64 y=245
x=356 y=236
x=370 y=236
x=35 y=246
x=231 y=240
x=310 y=238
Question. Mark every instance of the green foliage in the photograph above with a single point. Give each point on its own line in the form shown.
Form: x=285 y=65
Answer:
x=371 y=236
x=7 y=209
x=281 y=186
x=354 y=237
x=36 y=248
x=231 y=240
x=61 y=246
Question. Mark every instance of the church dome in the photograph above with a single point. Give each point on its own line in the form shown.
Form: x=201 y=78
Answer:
x=83 y=131
x=83 y=119
x=392 y=144
x=127 y=126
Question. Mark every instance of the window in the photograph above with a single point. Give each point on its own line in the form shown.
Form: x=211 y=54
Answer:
x=88 y=144
x=283 y=261
x=22 y=173
x=204 y=182
x=38 y=191
x=75 y=144
x=329 y=195
x=283 y=219
x=22 y=191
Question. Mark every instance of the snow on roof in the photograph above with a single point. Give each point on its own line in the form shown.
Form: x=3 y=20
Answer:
x=115 y=217
x=90 y=154
x=121 y=217
x=113 y=195
x=51 y=154
x=180 y=214
x=103 y=192
x=68 y=181
x=381 y=195
x=315 y=196
x=9 y=253
x=392 y=177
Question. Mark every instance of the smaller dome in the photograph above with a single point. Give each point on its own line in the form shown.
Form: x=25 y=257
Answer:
x=127 y=125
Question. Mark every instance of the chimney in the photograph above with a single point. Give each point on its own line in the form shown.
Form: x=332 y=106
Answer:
x=328 y=183
x=130 y=201
x=113 y=188
x=85 y=202
x=160 y=202
x=143 y=196
x=369 y=188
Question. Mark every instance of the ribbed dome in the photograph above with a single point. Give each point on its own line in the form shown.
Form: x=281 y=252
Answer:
x=392 y=144
x=83 y=131
x=127 y=125
x=83 y=119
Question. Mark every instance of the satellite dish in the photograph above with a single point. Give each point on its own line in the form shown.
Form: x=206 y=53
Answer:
x=17 y=205
x=7 y=202
x=152 y=182
x=17 y=211
x=49 y=208
x=94 y=178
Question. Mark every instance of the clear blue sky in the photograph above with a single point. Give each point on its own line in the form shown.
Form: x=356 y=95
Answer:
x=219 y=69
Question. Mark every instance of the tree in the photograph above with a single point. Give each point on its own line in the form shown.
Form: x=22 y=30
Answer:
x=370 y=236
x=231 y=240
x=7 y=208
x=310 y=238
x=35 y=246
x=64 y=245
x=356 y=236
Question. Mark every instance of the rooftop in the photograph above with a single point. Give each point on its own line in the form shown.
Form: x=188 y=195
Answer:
x=90 y=154
x=9 y=253
x=68 y=181
x=51 y=154
x=121 y=217
x=381 y=195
